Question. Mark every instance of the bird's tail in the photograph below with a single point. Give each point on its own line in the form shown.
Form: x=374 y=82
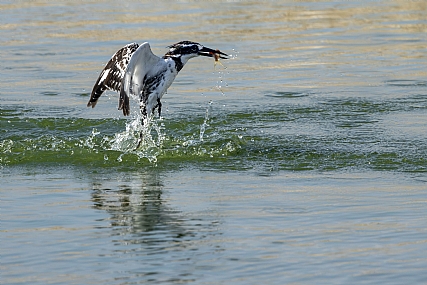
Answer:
x=124 y=103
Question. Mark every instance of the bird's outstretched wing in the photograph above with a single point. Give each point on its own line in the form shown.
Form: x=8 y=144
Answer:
x=141 y=65
x=112 y=75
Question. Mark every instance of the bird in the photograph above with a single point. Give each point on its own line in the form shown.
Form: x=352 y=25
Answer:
x=135 y=70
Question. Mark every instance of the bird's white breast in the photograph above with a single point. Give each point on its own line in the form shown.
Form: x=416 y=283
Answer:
x=168 y=70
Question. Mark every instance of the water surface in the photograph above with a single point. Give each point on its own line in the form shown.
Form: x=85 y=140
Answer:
x=303 y=161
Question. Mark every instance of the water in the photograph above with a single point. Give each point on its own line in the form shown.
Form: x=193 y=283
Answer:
x=302 y=162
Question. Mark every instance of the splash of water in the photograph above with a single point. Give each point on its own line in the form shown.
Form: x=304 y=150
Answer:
x=142 y=136
x=205 y=122
x=90 y=141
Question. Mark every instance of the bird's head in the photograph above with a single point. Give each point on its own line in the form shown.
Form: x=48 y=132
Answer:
x=186 y=50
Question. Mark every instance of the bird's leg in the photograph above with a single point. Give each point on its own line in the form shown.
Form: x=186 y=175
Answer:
x=144 y=115
x=159 y=104
x=139 y=141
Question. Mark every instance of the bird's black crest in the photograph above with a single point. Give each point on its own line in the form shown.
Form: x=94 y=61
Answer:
x=184 y=47
x=183 y=43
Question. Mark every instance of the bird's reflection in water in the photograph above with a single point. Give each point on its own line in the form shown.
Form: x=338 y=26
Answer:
x=142 y=221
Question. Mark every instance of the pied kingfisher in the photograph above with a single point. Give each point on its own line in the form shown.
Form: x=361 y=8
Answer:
x=135 y=70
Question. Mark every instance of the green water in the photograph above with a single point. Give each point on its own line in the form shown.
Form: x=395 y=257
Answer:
x=327 y=134
x=302 y=160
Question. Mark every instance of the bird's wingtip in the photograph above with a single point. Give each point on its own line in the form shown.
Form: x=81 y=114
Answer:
x=91 y=104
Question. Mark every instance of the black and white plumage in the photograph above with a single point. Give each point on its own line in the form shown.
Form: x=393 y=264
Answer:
x=135 y=70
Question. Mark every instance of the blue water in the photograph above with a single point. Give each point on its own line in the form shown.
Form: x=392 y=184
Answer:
x=302 y=160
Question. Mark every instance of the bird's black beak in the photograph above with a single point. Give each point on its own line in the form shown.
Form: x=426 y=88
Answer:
x=210 y=53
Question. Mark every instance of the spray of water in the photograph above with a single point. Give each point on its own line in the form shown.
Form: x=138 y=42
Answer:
x=221 y=71
x=205 y=122
x=142 y=136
